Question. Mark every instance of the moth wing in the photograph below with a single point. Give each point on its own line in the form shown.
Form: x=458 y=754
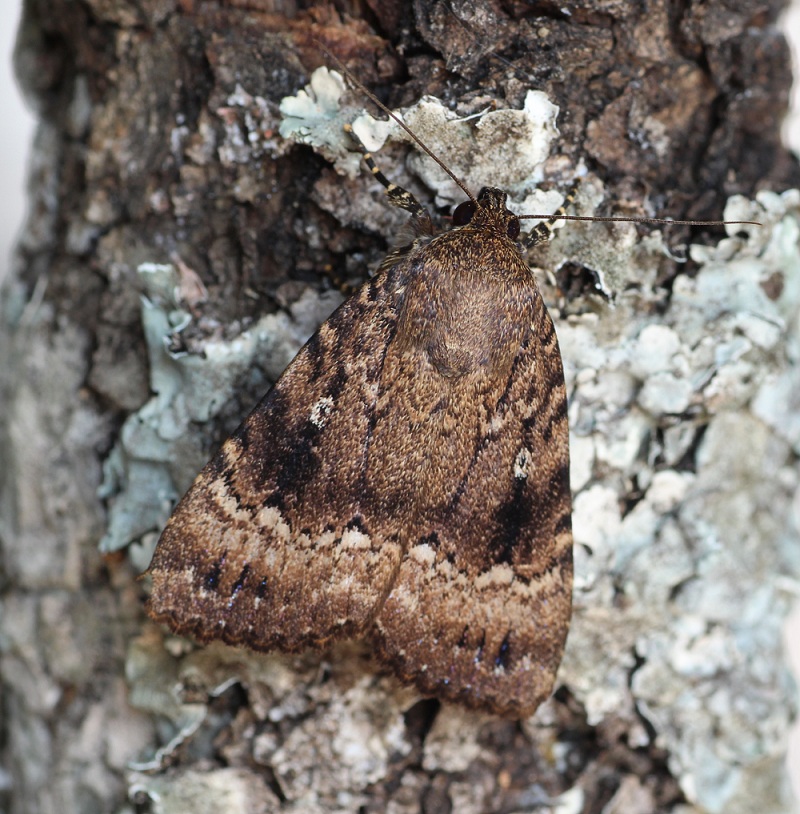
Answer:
x=480 y=608
x=273 y=545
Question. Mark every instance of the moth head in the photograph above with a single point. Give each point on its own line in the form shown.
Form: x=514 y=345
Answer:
x=490 y=200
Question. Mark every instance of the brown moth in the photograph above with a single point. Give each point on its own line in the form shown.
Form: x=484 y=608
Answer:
x=405 y=481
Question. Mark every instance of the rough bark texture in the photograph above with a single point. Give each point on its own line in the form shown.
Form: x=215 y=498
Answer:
x=158 y=143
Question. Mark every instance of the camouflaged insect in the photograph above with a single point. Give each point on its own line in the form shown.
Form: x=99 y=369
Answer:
x=405 y=481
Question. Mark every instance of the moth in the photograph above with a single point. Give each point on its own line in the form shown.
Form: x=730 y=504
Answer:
x=406 y=480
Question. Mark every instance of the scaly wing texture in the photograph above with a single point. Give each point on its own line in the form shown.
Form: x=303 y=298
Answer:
x=480 y=609
x=274 y=545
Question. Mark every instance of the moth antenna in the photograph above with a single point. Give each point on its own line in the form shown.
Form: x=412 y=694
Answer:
x=665 y=221
x=376 y=101
x=544 y=229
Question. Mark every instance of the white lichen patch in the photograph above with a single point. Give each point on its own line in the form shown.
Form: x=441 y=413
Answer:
x=695 y=413
x=314 y=116
x=225 y=789
x=452 y=744
x=335 y=755
x=504 y=148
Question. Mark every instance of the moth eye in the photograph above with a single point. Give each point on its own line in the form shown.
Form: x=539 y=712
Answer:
x=463 y=213
x=512 y=230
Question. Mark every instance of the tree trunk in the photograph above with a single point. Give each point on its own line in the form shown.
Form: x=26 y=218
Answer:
x=172 y=265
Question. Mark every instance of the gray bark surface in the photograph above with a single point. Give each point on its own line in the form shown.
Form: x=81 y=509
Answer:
x=158 y=144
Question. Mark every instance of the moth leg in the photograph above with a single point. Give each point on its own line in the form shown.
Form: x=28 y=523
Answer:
x=543 y=230
x=397 y=195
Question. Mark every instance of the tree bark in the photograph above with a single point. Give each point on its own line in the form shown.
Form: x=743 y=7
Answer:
x=165 y=203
